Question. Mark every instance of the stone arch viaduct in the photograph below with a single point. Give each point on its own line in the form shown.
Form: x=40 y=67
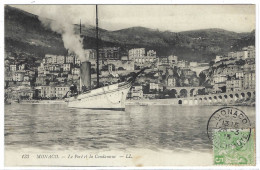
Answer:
x=218 y=98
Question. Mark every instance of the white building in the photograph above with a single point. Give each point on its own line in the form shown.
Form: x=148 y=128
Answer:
x=219 y=78
x=66 y=67
x=70 y=59
x=13 y=67
x=60 y=59
x=172 y=59
x=136 y=53
x=75 y=71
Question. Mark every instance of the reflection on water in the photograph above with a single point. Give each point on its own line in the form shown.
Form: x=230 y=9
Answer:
x=151 y=127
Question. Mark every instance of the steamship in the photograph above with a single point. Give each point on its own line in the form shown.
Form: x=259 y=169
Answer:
x=106 y=97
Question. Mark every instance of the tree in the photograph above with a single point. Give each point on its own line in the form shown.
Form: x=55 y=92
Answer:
x=172 y=93
x=240 y=62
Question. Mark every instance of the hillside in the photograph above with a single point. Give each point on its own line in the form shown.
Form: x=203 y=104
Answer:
x=25 y=34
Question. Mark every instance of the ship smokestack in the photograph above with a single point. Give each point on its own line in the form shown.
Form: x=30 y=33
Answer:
x=85 y=75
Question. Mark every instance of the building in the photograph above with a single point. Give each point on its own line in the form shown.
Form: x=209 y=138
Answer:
x=75 y=71
x=61 y=91
x=193 y=64
x=66 y=67
x=239 y=75
x=121 y=65
x=26 y=78
x=41 y=81
x=60 y=59
x=151 y=53
x=219 y=79
x=13 y=67
x=172 y=60
x=231 y=70
x=21 y=67
x=182 y=64
x=136 y=92
x=69 y=59
x=249 y=80
x=251 y=51
x=90 y=54
x=109 y=53
x=77 y=61
x=18 y=76
x=48 y=92
x=136 y=53
x=234 y=85
x=171 y=81
x=156 y=86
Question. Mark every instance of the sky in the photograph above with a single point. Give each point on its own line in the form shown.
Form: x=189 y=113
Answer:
x=175 y=18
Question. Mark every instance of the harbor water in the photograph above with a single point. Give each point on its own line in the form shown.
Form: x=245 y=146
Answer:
x=175 y=128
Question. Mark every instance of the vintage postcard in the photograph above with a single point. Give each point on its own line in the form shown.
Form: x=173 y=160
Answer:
x=129 y=85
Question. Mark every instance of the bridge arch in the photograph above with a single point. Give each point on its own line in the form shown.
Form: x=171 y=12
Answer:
x=183 y=93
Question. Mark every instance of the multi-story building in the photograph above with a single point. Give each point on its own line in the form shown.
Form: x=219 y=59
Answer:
x=218 y=78
x=40 y=81
x=66 y=67
x=231 y=70
x=182 y=64
x=77 y=61
x=249 y=80
x=21 y=67
x=193 y=64
x=69 y=59
x=251 y=51
x=156 y=86
x=172 y=59
x=13 y=67
x=234 y=85
x=26 y=78
x=18 y=76
x=61 y=91
x=136 y=53
x=109 y=53
x=60 y=59
x=239 y=75
x=75 y=71
x=136 y=92
x=48 y=92
x=151 y=53
x=171 y=81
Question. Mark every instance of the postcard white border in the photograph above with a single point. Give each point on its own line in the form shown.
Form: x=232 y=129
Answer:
x=129 y=2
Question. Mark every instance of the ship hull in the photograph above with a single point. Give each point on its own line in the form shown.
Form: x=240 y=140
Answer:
x=108 y=97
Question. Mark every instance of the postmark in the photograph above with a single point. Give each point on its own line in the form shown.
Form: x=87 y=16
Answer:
x=228 y=118
x=229 y=130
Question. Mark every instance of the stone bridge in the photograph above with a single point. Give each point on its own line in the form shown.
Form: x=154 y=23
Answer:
x=186 y=91
x=227 y=98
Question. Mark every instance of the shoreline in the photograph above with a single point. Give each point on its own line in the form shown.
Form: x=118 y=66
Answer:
x=142 y=102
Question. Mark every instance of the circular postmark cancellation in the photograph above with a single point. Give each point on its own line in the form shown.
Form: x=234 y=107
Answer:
x=229 y=127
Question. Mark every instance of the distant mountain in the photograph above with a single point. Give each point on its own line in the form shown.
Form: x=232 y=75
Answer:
x=25 y=34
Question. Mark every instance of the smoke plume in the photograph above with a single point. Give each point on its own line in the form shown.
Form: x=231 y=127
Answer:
x=61 y=24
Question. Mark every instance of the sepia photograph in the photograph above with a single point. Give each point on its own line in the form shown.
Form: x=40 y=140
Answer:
x=129 y=85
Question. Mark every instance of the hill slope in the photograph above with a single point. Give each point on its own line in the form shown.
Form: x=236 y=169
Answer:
x=25 y=34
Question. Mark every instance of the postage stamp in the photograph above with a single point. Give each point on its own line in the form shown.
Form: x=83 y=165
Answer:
x=232 y=137
x=234 y=147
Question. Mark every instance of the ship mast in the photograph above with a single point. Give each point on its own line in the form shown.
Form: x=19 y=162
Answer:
x=97 y=49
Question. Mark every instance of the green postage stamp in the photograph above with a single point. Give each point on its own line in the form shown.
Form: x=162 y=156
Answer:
x=234 y=146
